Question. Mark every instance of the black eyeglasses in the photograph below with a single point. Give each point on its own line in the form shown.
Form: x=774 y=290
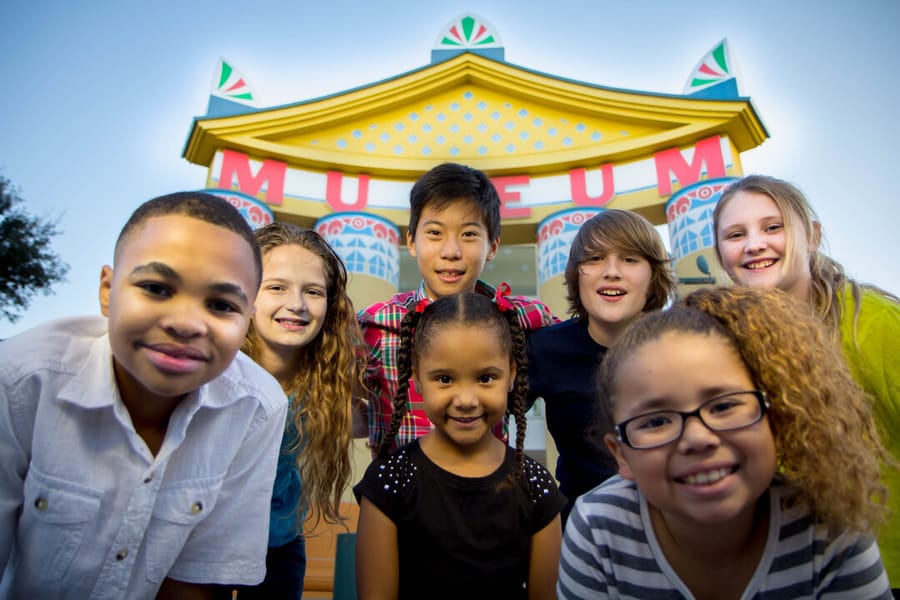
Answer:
x=727 y=412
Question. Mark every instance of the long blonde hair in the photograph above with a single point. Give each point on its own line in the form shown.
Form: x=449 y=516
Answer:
x=327 y=377
x=827 y=276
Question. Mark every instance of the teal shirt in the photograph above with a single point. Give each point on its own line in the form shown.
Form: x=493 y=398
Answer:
x=284 y=521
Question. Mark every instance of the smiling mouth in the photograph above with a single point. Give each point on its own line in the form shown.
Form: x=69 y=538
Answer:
x=612 y=293
x=178 y=352
x=763 y=264
x=465 y=419
x=707 y=477
x=292 y=322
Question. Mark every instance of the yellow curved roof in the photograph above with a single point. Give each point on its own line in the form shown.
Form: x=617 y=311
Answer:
x=474 y=110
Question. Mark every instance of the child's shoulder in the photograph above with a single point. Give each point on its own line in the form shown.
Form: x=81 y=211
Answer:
x=388 y=311
x=392 y=474
x=245 y=379
x=533 y=314
x=61 y=344
x=562 y=332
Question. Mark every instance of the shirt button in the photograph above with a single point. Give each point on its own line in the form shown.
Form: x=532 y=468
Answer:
x=196 y=508
x=122 y=554
x=41 y=504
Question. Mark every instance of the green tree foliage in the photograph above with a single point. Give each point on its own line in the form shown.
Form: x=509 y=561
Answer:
x=28 y=264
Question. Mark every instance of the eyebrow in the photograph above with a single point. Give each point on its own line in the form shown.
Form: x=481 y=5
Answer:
x=664 y=404
x=165 y=271
x=444 y=223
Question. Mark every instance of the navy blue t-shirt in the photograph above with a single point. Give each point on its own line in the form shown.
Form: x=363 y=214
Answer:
x=562 y=366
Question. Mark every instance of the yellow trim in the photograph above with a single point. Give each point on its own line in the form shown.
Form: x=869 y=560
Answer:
x=344 y=131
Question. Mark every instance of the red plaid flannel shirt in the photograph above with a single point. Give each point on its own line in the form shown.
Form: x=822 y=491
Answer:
x=381 y=329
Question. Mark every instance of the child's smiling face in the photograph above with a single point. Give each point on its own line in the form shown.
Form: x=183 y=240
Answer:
x=451 y=247
x=464 y=376
x=179 y=302
x=293 y=299
x=704 y=477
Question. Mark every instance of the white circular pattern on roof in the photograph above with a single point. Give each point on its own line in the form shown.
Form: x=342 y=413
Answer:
x=462 y=123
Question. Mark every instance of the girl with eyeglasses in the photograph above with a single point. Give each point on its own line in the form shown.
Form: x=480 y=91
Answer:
x=748 y=461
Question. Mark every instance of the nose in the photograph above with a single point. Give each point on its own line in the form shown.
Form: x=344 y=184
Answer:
x=450 y=248
x=296 y=302
x=696 y=436
x=187 y=319
x=465 y=399
x=756 y=242
x=612 y=268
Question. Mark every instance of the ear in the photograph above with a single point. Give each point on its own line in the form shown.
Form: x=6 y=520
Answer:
x=512 y=378
x=410 y=244
x=815 y=237
x=414 y=381
x=106 y=276
x=492 y=252
x=615 y=448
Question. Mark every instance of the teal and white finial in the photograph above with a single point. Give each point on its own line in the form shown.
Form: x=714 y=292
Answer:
x=713 y=77
x=467 y=33
x=230 y=94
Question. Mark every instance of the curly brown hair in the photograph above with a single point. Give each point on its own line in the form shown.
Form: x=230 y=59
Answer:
x=329 y=375
x=419 y=329
x=826 y=440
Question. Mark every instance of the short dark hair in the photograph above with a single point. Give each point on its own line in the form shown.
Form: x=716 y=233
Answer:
x=451 y=182
x=197 y=205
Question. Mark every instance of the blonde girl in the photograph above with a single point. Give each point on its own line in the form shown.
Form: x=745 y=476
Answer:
x=748 y=461
x=305 y=333
x=767 y=235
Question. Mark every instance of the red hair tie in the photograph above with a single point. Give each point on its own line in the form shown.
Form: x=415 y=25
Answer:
x=500 y=297
x=422 y=305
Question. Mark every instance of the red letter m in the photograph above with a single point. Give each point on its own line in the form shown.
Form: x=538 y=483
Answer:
x=671 y=162
x=271 y=174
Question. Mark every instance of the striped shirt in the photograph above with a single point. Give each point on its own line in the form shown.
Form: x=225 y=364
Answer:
x=380 y=323
x=610 y=551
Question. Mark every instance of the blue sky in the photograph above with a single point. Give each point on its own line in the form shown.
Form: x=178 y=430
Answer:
x=99 y=95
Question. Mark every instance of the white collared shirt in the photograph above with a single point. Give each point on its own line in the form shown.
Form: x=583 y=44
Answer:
x=86 y=509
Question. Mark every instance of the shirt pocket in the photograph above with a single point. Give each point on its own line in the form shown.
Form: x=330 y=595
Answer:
x=55 y=516
x=180 y=507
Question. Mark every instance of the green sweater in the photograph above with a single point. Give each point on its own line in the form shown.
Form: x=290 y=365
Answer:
x=875 y=363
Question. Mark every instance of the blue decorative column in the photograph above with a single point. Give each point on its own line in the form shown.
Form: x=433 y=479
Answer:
x=691 y=236
x=369 y=245
x=554 y=238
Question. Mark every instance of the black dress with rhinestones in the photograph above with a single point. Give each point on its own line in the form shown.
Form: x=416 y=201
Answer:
x=461 y=537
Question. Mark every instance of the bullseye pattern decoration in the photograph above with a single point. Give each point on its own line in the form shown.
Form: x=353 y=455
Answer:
x=554 y=238
x=368 y=244
x=689 y=214
x=256 y=212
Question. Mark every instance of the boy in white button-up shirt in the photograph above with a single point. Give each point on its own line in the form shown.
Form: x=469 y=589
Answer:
x=137 y=453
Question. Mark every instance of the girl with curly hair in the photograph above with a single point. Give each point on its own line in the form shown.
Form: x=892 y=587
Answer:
x=306 y=335
x=748 y=461
x=457 y=512
x=767 y=235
